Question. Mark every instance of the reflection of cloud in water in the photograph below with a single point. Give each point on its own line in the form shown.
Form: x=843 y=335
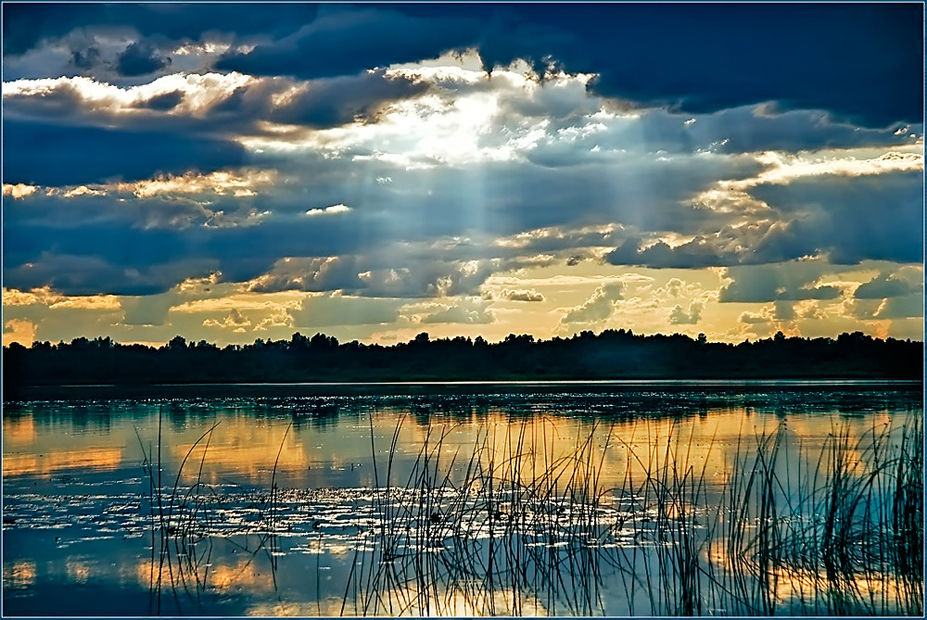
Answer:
x=244 y=575
x=451 y=604
x=52 y=462
x=249 y=449
x=402 y=602
x=20 y=575
x=328 y=607
x=18 y=430
x=78 y=570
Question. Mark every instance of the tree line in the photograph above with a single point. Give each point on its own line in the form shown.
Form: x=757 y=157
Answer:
x=612 y=354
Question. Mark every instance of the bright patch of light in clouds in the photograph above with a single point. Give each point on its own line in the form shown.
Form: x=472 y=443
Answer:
x=330 y=210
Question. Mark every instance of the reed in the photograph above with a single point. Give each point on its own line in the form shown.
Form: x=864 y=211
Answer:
x=510 y=522
x=519 y=530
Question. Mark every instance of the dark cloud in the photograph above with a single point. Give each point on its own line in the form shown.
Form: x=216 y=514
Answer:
x=140 y=58
x=164 y=102
x=340 y=100
x=49 y=154
x=865 y=63
x=876 y=217
x=86 y=58
x=785 y=281
x=90 y=275
x=695 y=254
x=26 y=25
x=882 y=286
x=346 y=40
x=859 y=60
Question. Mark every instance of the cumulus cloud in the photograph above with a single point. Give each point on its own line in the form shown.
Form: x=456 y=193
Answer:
x=466 y=311
x=234 y=321
x=680 y=316
x=330 y=210
x=598 y=307
x=521 y=295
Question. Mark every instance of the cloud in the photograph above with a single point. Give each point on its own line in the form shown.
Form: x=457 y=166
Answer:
x=597 y=308
x=700 y=252
x=48 y=154
x=468 y=311
x=131 y=184
x=890 y=285
x=18 y=330
x=18 y=190
x=865 y=66
x=234 y=320
x=679 y=316
x=345 y=40
x=141 y=58
x=521 y=295
x=784 y=281
x=164 y=102
x=755 y=318
x=901 y=307
x=331 y=210
x=847 y=218
x=328 y=310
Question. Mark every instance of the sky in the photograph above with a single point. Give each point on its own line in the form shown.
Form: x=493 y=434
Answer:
x=373 y=171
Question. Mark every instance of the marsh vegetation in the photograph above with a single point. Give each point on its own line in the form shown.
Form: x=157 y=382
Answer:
x=637 y=518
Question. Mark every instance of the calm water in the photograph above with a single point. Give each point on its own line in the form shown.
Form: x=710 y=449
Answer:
x=281 y=505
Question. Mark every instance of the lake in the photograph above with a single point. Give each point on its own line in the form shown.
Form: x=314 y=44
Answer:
x=614 y=498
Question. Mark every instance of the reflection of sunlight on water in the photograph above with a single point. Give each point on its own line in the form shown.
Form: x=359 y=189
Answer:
x=244 y=575
x=20 y=575
x=325 y=509
x=241 y=576
x=18 y=430
x=619 y=450
x=448 y=604
x=790 y=583
x=327 y=607
x=51 y=462
x=241 y=446
x=78 y=570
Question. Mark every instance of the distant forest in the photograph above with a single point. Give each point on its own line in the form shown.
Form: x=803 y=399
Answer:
x=613 y=354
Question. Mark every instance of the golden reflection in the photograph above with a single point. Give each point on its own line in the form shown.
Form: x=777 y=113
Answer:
x=328 y=607
x=808 y=586
x=20 y=575
x=18 y=430
x=78 y=571
x=246 y=575
x=247 y=448
x=531 y=449
x=48 y=463
x=444 y=603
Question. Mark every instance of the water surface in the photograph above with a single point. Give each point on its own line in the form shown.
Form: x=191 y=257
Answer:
x=276 y=505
